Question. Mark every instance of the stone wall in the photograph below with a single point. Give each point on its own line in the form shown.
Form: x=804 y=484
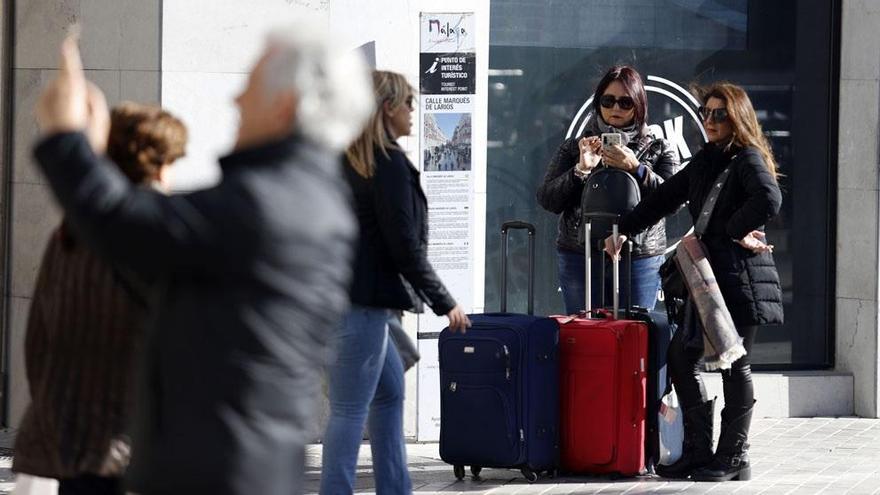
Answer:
x=121 y=51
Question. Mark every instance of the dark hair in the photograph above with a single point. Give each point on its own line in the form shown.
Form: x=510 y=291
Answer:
x=632 y=83
x=143 y=139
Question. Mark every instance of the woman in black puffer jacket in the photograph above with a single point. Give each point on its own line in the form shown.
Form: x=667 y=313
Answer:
x=620 y=105
x=743 y=266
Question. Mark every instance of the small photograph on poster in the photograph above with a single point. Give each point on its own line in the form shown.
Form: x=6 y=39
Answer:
x=447 y=142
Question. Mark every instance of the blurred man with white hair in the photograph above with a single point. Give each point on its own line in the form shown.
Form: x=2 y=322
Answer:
x=251 y=276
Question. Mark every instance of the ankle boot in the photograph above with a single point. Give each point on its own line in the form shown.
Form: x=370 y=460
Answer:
x=696 y=452
x=731 y=461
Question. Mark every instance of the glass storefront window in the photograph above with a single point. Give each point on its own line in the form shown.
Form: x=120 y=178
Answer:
x=545 y=59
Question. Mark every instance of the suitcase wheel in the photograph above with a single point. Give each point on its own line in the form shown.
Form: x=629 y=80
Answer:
x=475 y=470
x=530 y=475
x=458 y=469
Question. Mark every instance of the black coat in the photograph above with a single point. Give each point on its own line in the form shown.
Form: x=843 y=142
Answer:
x=561 y=190
x=391 y=260
x=750 y=198
x=253 y=276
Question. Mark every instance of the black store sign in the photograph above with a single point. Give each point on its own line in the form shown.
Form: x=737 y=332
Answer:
x=448 y=73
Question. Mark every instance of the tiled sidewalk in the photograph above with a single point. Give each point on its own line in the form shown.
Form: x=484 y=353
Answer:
x=796 y=456
x=790 y=456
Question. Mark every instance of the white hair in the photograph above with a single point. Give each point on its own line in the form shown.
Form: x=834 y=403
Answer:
x=332 y=84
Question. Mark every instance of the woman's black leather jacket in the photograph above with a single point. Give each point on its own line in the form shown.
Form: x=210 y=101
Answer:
x=560 y=192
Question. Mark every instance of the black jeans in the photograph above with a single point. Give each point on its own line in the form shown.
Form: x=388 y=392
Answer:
x=683 y=364
x=89 y=484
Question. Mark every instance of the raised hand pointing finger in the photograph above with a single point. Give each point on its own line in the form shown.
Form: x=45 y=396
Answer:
x=71 y=63
x=63 y=105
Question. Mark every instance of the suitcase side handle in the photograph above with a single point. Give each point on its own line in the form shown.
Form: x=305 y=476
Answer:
x=639 y=399
x=530 y=229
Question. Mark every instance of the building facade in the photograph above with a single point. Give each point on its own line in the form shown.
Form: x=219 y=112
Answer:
x=811 y=68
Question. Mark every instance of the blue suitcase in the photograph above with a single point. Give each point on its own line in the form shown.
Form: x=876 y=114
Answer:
x=660 y=333
x=499 y=386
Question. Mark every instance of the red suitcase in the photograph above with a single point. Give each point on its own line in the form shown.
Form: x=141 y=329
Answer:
x=603 y=367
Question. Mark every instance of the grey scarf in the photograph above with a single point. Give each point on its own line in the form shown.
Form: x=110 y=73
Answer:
x=597 y=125
x=720 y=341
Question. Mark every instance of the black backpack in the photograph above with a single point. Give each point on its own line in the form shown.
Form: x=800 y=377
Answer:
x=608 y=190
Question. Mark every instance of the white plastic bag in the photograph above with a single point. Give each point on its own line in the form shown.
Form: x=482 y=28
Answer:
x=32 y=485
x=670 y=426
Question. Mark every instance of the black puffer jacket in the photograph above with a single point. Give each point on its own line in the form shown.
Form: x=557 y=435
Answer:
x=391 y=268
x=561 y=190
x=748 y=281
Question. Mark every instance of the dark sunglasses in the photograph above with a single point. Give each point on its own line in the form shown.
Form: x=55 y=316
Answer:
x=624 y=102
x=717 y=115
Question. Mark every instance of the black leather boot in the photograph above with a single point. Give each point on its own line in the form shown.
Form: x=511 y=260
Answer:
x=731 y=461
x=696 y=452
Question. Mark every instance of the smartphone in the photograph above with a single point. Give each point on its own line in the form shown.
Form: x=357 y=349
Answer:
x=610 y=139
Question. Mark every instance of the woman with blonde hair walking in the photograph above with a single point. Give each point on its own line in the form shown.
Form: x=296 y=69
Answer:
x=391 y=272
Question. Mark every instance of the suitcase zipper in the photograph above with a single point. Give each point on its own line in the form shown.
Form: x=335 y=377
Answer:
x=505 y=350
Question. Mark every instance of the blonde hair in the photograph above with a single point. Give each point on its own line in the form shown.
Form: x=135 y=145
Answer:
x=388 y=87
x=746 y=128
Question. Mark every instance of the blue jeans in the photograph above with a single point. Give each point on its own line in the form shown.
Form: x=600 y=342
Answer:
x=366 y=387
x=572 y=265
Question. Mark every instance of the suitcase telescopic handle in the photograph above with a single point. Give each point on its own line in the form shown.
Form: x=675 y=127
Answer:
x=615 y=278
x=615 y=267
x=517 y=225
x=530 y=229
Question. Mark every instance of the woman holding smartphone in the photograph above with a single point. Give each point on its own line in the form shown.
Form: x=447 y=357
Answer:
x=620 y=106
x=743 y=267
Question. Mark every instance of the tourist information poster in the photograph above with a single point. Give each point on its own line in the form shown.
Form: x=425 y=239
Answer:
x=447 y=80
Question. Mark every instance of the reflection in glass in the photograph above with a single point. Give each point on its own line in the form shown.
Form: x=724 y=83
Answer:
x=547 y=56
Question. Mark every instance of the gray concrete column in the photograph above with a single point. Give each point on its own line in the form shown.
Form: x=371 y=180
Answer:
x=121 y=47
x=858 y=246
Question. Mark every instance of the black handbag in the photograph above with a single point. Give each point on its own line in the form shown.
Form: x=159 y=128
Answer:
x=671 y=280
x=609 y=190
